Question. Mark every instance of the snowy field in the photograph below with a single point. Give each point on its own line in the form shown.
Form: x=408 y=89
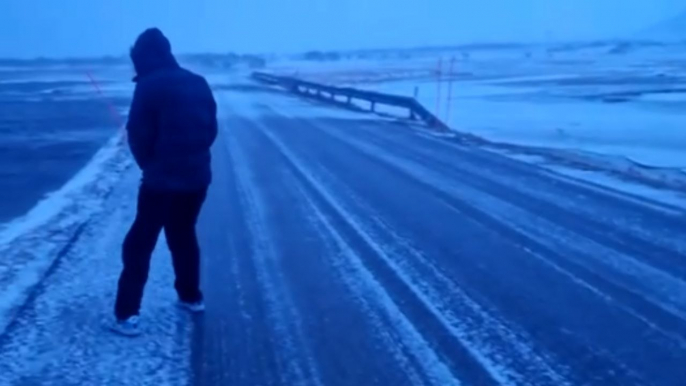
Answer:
x=624 y=101
x=62 y=152
x=330 y=235
x=52 y=121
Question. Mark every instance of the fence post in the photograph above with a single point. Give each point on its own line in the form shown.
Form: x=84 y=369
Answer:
x=438 y=85
x=373 y=106
x=449 y=101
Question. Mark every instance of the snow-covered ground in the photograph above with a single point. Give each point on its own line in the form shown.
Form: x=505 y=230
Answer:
x=59 y=167
x=646 y=130
x=621 y=100
x=33 y=243
x=584 y=102
x=384 y=272
x=61 y=337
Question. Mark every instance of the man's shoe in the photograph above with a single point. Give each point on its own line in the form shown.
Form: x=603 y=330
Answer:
x=194 y=307
x=127 y=327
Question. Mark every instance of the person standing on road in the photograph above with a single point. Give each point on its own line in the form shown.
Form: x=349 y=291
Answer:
x=171 y=126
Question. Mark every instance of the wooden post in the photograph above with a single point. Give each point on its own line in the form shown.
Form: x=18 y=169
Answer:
x=449 y=101
x=373 y=106
x=438 y=86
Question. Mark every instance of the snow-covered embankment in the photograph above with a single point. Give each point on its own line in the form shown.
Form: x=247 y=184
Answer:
x=31 y=245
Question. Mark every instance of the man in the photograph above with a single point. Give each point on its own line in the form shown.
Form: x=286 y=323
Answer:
x=171 y=127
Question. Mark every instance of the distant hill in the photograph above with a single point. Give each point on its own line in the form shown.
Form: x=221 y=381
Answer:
x=670 y=30
x=42 y=61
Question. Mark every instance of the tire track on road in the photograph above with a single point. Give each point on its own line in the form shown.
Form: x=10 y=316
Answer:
x=296 y=365
x=623 y=237
x=539 y=228
x=350 y=232
x=341 y=333
x=576 y=275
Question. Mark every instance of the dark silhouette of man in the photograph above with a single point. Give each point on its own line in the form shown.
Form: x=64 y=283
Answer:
x=171 y=126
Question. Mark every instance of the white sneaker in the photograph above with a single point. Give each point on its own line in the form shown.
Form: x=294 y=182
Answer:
x=127 y=327
x=194 y=307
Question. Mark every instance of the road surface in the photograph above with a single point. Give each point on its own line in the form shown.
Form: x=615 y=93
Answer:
x=340 y=250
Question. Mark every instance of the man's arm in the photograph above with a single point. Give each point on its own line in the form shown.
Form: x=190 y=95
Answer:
x=141 y=126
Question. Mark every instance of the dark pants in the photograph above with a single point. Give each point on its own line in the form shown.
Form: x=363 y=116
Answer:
x=176 y=213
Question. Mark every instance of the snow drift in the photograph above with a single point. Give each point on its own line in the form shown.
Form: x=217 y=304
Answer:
x=31 y=245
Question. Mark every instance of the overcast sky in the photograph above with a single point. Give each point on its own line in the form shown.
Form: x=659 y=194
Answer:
x=96 y=27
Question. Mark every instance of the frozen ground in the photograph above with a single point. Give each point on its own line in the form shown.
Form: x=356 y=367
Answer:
x=436 y=263
x=646 y=130
x=64 y=153
x=52 y=121
x=60 y=336
x=31 y=244
x=599 y=179
x=343 y=250
x=621 y=100
x=61 y=156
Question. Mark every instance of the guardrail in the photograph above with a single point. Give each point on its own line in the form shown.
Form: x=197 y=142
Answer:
x=332 y=93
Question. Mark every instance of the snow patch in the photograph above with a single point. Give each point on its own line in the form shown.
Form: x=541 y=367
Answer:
x=30 y=244
x=603 y=180
x=591 y=98
x=61 y=337
x=673 y=178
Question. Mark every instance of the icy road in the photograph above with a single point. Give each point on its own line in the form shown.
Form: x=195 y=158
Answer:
x=341 y=250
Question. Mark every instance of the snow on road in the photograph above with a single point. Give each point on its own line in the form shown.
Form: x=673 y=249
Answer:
x=436 y=264
x=60 y=337
x=30 y=244
x=599 y=180
x=339 y=250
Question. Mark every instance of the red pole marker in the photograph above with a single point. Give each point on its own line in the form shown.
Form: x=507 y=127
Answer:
x=116 y=117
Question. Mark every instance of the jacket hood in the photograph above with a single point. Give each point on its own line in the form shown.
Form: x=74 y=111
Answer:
x=151 y=52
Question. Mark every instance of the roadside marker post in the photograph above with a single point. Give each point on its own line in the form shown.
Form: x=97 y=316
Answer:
x=449 y=103
x=438 y=85
x=116 y=117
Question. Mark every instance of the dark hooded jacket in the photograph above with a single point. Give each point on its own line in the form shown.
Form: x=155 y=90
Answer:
x=173 y=118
